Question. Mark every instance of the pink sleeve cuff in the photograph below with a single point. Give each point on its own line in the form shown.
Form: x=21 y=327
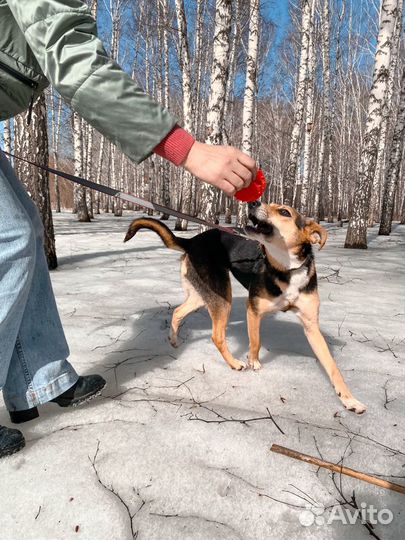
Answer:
x=175 y=146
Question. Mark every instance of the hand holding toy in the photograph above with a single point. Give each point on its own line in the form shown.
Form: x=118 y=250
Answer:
x=254 y=191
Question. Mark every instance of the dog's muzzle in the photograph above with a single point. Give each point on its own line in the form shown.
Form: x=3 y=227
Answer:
x=258 y=217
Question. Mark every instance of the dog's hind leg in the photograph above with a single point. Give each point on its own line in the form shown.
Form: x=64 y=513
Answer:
x=308 y=311
x=192 y=303
x=219 y=313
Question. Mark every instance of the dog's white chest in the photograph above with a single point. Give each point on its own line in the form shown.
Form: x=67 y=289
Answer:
x=299 y=279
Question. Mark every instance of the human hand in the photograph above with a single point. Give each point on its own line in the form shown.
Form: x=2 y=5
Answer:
x=224 y=167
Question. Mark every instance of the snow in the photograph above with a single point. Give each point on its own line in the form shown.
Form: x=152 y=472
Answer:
x=149 y=447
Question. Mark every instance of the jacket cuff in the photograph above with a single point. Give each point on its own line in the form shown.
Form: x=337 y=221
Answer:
x=175 y=146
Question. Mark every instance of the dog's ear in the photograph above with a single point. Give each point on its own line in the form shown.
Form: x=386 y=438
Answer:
x=315 y=233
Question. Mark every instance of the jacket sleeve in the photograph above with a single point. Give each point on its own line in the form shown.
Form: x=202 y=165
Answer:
x=63 y=37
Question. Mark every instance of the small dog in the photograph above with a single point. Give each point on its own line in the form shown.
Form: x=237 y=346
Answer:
x=277 y=267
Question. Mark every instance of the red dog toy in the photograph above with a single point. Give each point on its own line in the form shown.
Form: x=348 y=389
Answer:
x=254 y=191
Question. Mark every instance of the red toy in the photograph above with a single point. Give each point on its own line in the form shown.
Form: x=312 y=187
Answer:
x=254 y=191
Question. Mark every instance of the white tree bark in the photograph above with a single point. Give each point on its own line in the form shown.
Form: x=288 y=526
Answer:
x=98 y=173
x=250 y=85
x=31 y=142
x=327 y=106
x=56 y=130
x=79 y=192
x=165 y=167
x=357 y=230
x=229 y=113
x=394 y=163
x=250 y=94
x=198 y=60
x=387 y=113
x=216 y=102
x=291 y=173
x=309 y=114
x=185 y=66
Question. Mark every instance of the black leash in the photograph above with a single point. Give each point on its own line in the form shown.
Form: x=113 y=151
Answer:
x=129 y=198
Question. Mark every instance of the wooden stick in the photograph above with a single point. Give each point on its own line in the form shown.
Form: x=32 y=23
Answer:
x=338 y=468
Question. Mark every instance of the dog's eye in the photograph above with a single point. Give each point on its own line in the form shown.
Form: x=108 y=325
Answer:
x=284 y=212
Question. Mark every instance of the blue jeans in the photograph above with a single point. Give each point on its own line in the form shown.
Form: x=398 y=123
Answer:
x=33 y=348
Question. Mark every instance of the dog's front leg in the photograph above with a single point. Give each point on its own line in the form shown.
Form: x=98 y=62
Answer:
x=308 y=311
x=254 y=318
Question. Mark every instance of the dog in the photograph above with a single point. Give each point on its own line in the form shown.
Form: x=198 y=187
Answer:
x=275 y=264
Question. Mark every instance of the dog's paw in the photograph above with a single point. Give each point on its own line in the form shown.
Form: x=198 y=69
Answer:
x=173 y=341
x=238 y=365
x=255 y=365
x=354 y=405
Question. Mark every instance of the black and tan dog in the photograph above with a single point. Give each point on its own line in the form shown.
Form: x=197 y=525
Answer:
x=276 y=266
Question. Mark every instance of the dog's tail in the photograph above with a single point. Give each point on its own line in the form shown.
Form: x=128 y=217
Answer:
x=169 y=239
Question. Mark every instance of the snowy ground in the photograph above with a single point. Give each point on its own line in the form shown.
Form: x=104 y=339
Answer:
x=179 y=445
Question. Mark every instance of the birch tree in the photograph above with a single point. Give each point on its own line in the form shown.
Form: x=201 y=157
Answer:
x=39 y=179
x=216 y=102
x=164 y=37
x=250 y=93
x=291 y=172
x=56 y=131
x=31 y=142
x=357 y=231
x=229 y=109
x=327 y=109
x=79 y=192
x=186 y=84
x=387 y=113
x=309 y=113
x=394 y=163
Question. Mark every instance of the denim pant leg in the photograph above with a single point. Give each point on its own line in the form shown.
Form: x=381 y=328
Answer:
x=33 y=348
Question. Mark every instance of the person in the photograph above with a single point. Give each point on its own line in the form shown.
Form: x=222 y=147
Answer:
x=55 y=42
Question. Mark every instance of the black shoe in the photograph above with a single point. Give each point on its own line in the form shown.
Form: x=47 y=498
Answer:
x=83 y=390
x=19 y=417
x=11 y=441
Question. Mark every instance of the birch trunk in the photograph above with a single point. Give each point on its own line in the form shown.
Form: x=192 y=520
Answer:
x=98 y=173
x=387 y=112
x=79 y=192
x=89 y=168
x=31 y=142
x=250 y=94
x=327 y=114
x=229 y=101
x=291 y=173
x=216 y=102
x=317 y=210
x=198 y=60
x=309 y=114
x=357 y=230
x=185 y=66
x=55 y=147
x=166 y=92
x=39 y=180
x=394 y=163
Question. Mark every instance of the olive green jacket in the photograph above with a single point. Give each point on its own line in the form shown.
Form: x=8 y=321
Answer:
x=55 y=41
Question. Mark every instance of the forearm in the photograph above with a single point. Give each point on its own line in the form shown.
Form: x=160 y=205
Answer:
x=175 y=146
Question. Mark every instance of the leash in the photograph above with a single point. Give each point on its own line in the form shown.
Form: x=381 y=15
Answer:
x=129 y=198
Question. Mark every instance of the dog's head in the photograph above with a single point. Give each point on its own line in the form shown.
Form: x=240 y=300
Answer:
x=283 y=232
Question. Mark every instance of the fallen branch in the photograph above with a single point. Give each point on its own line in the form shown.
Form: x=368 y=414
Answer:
x=338 y=468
